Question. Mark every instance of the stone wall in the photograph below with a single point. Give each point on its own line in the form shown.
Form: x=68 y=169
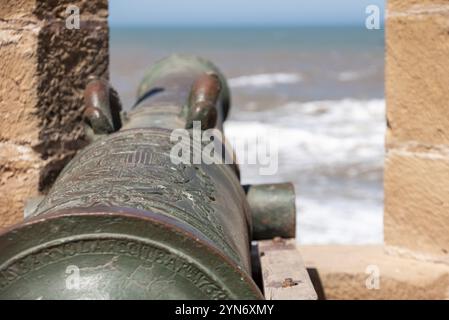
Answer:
x=43 y=70
x=417 y=95
x=349 y=273
x=413 y=263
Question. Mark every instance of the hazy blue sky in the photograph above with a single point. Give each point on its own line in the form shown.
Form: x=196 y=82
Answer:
x=239 y=12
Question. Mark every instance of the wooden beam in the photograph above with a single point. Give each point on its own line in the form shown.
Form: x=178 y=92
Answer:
x=283 y=271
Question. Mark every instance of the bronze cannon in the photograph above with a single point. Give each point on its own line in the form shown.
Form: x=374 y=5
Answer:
x=123 y=221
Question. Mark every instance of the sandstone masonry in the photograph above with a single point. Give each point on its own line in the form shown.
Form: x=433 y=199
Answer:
x=44 y=68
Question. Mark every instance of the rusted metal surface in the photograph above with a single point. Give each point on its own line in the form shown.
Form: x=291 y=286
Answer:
x=102 y=109
x=203 y=99
x=273 y=210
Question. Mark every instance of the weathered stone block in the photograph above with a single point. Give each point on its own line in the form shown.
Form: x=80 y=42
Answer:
x=367 y=272
x=65 y=59
x=417 y=204
x=19 y=173
x=44 y=68
x=18 y=90
x=417 y=68
x=52 y=9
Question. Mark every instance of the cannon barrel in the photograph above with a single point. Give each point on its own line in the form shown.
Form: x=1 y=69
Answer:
x=123 y=221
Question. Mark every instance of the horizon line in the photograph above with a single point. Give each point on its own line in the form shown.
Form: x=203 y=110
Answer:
x=226 y=26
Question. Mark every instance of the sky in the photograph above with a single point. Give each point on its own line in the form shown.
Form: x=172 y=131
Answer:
x=166 y=13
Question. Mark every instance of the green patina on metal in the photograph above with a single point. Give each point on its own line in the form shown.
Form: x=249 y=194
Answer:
x=164 y=97
x=122 y=221
x=273 y=210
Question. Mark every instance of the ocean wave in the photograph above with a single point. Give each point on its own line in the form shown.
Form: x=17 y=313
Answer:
x=354 y=75
x=333 y=151
x=265 y=80
x=339 y=220
x=342 y=135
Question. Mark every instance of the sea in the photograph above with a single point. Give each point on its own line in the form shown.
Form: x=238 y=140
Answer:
x=320 y=88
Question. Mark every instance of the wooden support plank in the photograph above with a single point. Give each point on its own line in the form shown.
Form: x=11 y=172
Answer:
x=283 y=271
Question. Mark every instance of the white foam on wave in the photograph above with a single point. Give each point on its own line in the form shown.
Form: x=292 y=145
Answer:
x=323 y=144
x=319 y=133
x=338 y=220
x=346 y=76
x=354 y=75
x=265 y=80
